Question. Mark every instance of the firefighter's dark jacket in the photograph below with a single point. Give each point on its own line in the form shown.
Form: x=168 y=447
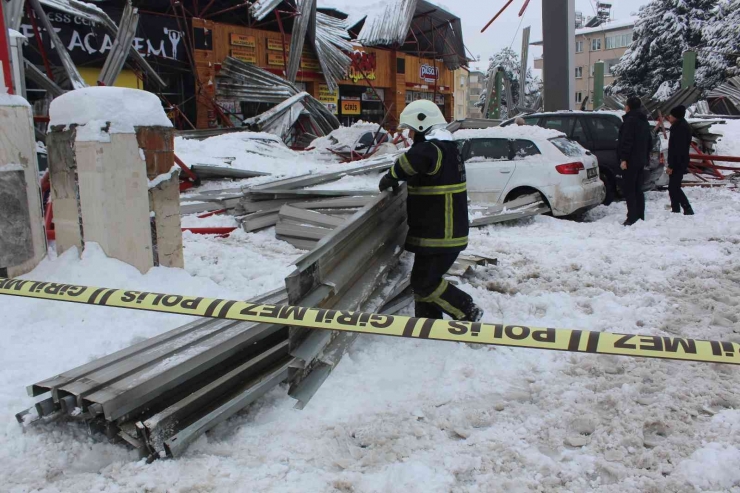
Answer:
x=438 y=199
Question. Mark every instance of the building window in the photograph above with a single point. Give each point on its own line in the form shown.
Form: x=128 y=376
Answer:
x=596 y=44
x=473 y=79
x=579 y=97
x=618 y=41
x=579 y=72
x=592 y=70
x=609 y=64
x=579 y=46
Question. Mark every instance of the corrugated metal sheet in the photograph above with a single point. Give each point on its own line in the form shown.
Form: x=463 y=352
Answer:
x=118 y=54
x=389 y=24
x=91 y=12
x=306 y=17
x=332 y=43
x=262 y=8
x=725 y=99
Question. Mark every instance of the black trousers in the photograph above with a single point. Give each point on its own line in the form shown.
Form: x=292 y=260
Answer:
x=435 y=296
x=632 y=191
x=678 y=198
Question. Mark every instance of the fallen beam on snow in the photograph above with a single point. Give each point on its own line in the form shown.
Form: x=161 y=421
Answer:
x=526 y=206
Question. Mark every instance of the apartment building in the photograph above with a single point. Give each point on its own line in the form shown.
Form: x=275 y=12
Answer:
x=606 y=42
x=461 y=93
x=477 y=83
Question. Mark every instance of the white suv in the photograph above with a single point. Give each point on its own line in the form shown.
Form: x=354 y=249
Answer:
x=506 y=163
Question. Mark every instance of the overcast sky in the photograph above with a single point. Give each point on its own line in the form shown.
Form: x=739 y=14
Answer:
x=507 y=30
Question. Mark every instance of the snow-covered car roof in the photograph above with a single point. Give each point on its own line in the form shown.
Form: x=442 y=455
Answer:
x=529 y=132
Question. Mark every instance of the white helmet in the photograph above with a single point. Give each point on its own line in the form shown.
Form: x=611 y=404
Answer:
x=421 y=116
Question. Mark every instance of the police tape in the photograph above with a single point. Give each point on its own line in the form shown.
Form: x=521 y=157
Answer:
x=577 y=341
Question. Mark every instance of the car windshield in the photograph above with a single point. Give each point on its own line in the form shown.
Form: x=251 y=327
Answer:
x=568 y=147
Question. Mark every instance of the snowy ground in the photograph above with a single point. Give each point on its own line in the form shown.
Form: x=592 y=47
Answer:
x=420 y=416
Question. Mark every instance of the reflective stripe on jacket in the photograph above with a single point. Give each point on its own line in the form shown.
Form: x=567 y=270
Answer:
x=438 y=199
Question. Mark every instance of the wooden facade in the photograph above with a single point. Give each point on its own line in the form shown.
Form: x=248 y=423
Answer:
x=395 y=73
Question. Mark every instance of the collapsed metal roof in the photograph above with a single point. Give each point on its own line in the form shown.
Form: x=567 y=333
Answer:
x=413 y=26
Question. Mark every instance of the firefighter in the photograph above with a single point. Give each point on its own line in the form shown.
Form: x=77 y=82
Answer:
x=437 y=209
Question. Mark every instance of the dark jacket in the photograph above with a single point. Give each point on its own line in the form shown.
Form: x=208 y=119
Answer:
x=635 y=141
x=438 y=200
x=679 y=145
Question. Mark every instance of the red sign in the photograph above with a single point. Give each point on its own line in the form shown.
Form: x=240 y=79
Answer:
x=362 y=63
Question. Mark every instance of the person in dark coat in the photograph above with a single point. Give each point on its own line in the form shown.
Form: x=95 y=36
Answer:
x=679 y=146
x=635 y=143
x=437 y=207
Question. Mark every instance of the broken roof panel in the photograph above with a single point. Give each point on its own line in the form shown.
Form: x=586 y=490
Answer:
x=414 y=26
x=94 y=13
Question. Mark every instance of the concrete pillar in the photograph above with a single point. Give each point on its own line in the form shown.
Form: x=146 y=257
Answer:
x=689 y=69
x=113 y=176
x=598 y=99
x=499 y=82
x=22 y=235
x=558 y=26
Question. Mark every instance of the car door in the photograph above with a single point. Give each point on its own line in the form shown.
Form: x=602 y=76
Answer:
x=489 y=167
x=580 y=134
x=605 y=134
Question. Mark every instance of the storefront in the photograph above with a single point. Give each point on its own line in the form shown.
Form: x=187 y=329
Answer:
x=379 y=81
x=158 y=38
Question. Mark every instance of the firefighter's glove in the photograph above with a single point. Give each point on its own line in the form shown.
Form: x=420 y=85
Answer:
x=388 y=182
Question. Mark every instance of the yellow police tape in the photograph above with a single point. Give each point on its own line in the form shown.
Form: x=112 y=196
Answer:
x=365 y=323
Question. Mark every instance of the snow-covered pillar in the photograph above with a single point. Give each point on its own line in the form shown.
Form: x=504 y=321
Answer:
x=558 y=29
x=22 y=237
x=111 y=162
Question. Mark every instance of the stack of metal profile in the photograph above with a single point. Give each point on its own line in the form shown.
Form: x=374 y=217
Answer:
x=163 y=393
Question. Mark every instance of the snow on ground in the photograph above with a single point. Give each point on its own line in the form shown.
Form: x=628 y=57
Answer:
x=729 y=145
x=401 y=415
x=421 y=416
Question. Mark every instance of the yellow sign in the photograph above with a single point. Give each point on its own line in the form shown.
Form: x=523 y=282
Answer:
x=310 y=64
x=330 y=99
x=522 y=336
x=243 y=40
x=351 y=107
x=326 y=96
x=275 y=44
x=244 y=55
x=275 y=59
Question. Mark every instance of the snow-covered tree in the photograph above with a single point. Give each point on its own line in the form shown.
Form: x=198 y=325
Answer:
x=664 y=30
x=718 y=55
x=509 y=60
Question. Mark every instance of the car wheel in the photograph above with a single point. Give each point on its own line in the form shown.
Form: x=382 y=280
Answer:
x=611 y=188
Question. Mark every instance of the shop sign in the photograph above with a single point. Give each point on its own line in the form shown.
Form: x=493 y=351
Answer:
x=243 y=40
x=275 y=45
x=351 y=107
x=330 y=99
x=89 y=43
x=362 y=63
x=310 y=64
x=246 y=56
x=428 y=73
x=376 y=95
x=276 y=59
